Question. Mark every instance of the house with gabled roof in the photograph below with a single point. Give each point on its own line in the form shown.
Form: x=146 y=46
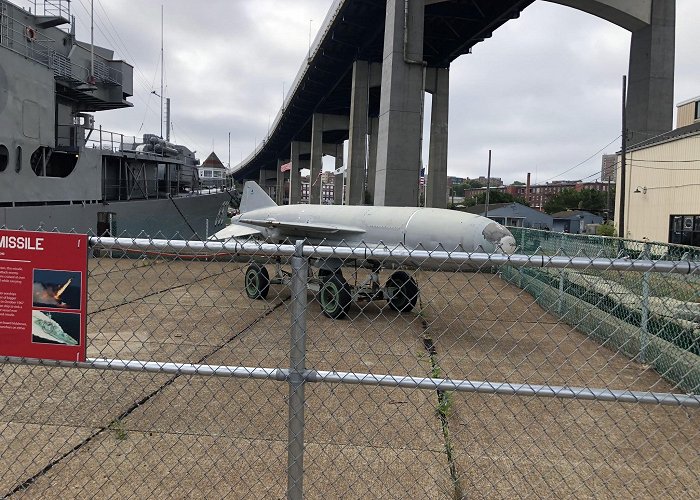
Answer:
x=212 y=173
x=514 y=215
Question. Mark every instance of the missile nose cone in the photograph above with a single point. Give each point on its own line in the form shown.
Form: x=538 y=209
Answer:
x=499 y=237
x=507 y=245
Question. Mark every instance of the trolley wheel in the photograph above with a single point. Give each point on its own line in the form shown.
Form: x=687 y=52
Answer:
x=257 y=282
x=402 y=292
x=335 y=296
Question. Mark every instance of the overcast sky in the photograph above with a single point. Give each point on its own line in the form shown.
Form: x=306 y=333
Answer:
x=543 y=93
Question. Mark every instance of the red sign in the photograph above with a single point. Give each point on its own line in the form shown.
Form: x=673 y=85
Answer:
x=43 y=295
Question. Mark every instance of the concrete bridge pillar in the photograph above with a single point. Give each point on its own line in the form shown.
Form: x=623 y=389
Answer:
x=650 y=88
x=357 y=149
x=372 y=158
x=651 y=64
x=279 y=189
x=295 y=175
x=316 y=159
x=338 y=178
x=399 y=144
x=436 y=187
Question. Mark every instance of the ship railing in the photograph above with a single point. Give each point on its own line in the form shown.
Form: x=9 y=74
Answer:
x=27 y=41
x=32 y=43
x=57 y=8
x=110 y=141
x=105 y=72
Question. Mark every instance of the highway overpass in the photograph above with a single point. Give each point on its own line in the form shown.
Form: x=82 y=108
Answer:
x=372 y=62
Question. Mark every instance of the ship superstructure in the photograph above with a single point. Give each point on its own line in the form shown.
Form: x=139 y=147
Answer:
x=57 y=169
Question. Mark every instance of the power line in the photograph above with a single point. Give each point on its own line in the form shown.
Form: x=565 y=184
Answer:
x=584 y=161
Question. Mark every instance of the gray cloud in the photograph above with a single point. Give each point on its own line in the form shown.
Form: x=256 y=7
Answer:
x=543 y=93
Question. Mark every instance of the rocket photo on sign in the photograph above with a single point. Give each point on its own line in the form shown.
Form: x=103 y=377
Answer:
x=56 y=289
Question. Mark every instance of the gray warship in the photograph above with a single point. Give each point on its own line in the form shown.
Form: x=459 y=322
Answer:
x=58 y=171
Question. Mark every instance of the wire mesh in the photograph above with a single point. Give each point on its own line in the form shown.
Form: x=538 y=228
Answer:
x=424 y=375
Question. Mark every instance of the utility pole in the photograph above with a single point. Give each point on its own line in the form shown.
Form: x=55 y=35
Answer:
x=488 y=186
x=623 y=172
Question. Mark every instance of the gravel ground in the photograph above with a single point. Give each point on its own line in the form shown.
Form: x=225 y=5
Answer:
x=73 y=433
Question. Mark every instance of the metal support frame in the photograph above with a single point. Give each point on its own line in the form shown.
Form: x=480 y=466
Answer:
x=374 y=380
x=297 y=363
x=644 y=323
x=399 y=254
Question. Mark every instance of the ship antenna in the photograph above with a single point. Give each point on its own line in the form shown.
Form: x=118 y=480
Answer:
x=91 y=80
x=162 y=60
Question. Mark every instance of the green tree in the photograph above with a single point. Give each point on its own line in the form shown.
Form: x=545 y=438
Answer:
x=458 y=189
x=570 y=199
x=605 y=230
x=495 y=197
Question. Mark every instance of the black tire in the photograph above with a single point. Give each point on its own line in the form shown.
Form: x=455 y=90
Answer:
x=257 y=282
x=335 y=296
x=402 y=290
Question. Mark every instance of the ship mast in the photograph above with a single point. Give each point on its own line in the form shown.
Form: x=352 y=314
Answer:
x=91 y=80
x=162 y=59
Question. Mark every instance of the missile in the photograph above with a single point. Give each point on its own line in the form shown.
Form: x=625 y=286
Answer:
x=343 y=225
x=353 y=226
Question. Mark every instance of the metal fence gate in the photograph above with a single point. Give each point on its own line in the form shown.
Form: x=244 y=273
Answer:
x=496 y=376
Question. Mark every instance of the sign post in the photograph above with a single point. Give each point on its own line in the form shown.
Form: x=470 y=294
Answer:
x=43 y=295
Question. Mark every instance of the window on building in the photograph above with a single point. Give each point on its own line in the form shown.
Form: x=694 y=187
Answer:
x=697 y=110
x=685 y=230
x=207 y=173
x=217 y=174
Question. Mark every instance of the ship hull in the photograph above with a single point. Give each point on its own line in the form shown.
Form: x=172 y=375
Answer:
x=183 y=217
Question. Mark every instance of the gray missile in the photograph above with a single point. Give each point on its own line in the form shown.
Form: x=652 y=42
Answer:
x=342 y=225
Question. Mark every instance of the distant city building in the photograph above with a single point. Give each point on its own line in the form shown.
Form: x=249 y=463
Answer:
x=608 y=168
x=212 y=172
x=537 y=195
x=327 y=189
x=474 y=192
x=328 y=177
x=495 y=181
x=454 y=181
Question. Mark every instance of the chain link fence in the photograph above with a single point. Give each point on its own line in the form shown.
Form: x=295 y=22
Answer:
x=245 y=370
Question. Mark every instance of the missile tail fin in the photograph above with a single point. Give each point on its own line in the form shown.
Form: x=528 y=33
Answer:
x=255 y=197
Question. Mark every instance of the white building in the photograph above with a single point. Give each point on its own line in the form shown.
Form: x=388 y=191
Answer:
x=662 y=192
x=212 y=172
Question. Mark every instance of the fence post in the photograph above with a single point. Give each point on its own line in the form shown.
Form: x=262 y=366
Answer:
x=560 y=302
x=644 y=324
x=297 y=358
